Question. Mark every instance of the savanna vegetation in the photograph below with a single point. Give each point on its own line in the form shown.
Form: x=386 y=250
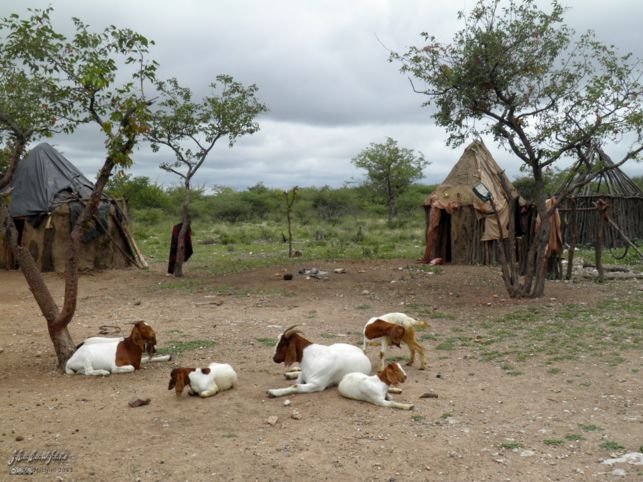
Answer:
x=237 y=229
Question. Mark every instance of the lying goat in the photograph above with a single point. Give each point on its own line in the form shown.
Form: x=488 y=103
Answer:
x=204 y=382
x=102 y=356
x=392 y=329
x=322 y=366
x=374 y=389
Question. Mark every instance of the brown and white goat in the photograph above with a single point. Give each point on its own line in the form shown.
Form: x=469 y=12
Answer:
x=393 y=329
x=204 y=382
x=322 y=366
x=374 y=389
x=103 y=356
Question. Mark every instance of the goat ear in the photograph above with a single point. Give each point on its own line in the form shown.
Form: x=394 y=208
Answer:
x=180 y=382
x=389 y=375
x=172 y=380
x=291 y=354
x=137 y=339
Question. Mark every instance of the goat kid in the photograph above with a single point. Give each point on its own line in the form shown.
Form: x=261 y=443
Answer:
x=103 y=356
x=203 y=382
x=374 y=389
x=392 y=329
x=321 y=366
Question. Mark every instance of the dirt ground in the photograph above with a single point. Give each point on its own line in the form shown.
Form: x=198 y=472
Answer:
x=454 y=437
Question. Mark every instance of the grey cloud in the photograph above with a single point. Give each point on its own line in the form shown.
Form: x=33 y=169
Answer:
x=322 y=70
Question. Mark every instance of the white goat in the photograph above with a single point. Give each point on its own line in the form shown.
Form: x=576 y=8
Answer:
x=102 y=356
x=374 y=389
x=322 y=366
x=204 y=382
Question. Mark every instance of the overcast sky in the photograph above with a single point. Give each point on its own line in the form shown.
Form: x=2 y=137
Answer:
x=321 y=68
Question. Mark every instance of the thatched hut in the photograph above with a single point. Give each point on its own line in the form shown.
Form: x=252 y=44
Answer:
x=47 y=196
x=581 y=219
x=460 y=227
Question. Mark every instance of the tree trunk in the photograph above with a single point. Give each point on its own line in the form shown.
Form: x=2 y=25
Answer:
x=185 y=226
x=532 y=284
x=390 y=201
x=63 y=344
x=572 y=244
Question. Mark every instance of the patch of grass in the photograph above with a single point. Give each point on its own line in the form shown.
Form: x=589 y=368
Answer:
x=589 y=427
x=553 y=442
x=446 y=415
x=178 y=347
x=611 y=446
x=574 y=437
x=363 y=307
x=417 y=418
x=448 y=344
x=601 y=330
x=328 y=336
x=509 y=445
x=438 y=315
x=428 y=336
x=267 y=341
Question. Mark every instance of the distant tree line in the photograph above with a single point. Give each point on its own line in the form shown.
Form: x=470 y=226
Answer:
x=150 y=202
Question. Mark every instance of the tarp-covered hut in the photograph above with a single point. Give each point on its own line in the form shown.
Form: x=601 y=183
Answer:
x=47 y=196
x=461 y=228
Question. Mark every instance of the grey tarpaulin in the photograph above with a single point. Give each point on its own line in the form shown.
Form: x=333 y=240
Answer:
x=43 y=179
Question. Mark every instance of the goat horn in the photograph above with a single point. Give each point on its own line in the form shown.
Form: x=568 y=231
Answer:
x=290 y=331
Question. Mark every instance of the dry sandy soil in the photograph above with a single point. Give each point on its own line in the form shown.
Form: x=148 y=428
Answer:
x=454 y=437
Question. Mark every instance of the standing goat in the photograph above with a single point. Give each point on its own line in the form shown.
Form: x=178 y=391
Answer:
x=392 y=329
x=102 y=356
x=322 y=366
x=204 y=382
x=374 y=389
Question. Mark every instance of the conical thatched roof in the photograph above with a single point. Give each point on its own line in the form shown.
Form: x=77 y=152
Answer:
x=476 y=164
x=612 y=182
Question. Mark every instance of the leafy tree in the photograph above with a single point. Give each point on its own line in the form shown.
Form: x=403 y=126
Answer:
x=638 y=180
x=49 y=84
x=191 y=130
x=331 y=204
x=520 y=75
x=140 y=192
x=390 y=169
x=552 y=181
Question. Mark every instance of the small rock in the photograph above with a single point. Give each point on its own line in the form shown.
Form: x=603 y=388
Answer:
x=619 y=472
x=339 y=270
x=365 y=292
x=527 y=453
x=137 y=302
x=295 y=415
x=19 y=438
x=287 y=276
x=429 y=395
x=272 y=420
x=138 y=402
x=287 y=403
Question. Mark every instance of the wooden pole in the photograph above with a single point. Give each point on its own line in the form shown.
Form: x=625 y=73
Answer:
x=572 y=242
